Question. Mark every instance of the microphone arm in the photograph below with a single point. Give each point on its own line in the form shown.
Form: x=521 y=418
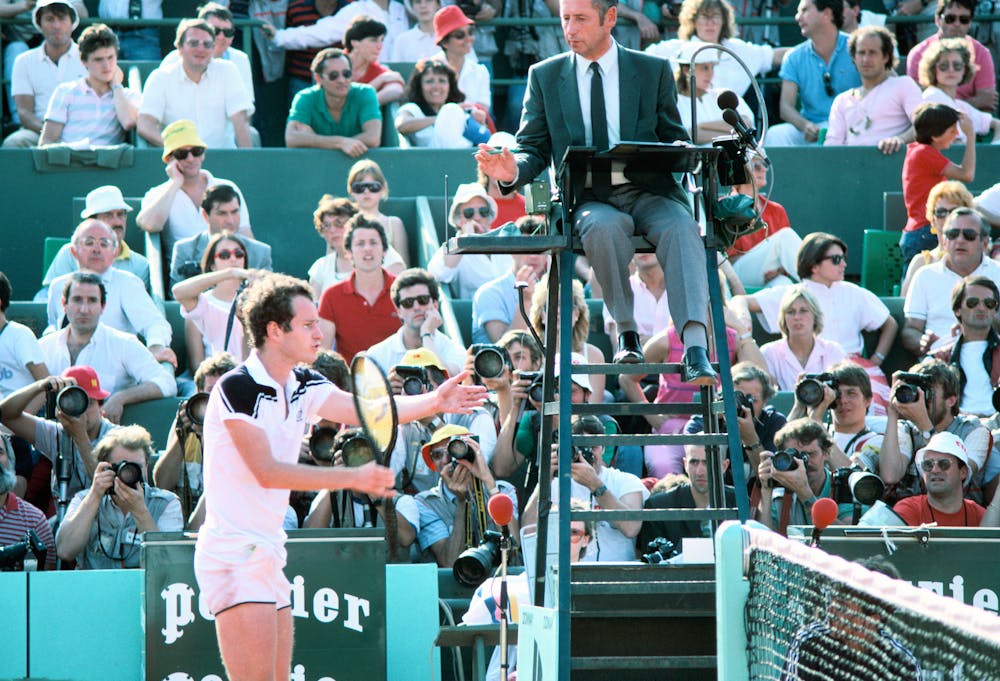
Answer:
x=744 y=133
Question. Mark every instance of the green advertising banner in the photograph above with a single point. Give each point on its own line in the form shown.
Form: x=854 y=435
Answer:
x=338 y=604
x=960 y=563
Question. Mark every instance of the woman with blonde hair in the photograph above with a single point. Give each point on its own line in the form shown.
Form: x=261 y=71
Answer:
x=538 y=315
x=944 y=67
x=368 y=188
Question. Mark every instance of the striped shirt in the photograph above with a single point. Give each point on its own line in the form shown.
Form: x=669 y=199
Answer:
x=297 y=62
x=17 y=517
x=87 y=115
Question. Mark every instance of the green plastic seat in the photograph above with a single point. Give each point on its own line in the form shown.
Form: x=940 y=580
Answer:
x=882 y=264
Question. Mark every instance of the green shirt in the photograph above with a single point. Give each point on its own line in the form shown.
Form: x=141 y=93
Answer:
x=309 y=108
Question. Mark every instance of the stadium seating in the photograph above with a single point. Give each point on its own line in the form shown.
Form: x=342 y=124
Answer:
x=156 y=416
x=882 y=266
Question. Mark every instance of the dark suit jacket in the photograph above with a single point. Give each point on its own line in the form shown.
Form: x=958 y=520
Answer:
x=552 y=120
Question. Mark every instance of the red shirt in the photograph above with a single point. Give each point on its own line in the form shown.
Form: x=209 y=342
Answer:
x=916 y=511
x=923 y=168
x=509 y=209
x=776 y=218
x=359 y=324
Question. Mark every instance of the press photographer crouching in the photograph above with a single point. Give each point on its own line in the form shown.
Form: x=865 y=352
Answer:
x=23 y=528
x=69 y=436
x=795 y=476
x=104 y=525
x=179 y=468
x=421 y=371
x=925 y=402
x=452 y=516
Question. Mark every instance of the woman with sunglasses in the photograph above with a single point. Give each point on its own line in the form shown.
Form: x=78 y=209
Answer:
x=368 y=188
x=944 y=197
x=434 y=115
x=848 y=309
x=801 y=350
x=207 y=300
x=946 y=66
x=472 y=212
x=455 y=34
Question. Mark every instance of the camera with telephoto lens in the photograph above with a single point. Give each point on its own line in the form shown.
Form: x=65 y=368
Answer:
x=810 y=389
x=415 y=380
x=585 y=453
x=195 y=407
x=906 y=387
x=660 y=551
x=71 y=400
x=12 y=556
x=855 y=484
x=743 y=402
x=996 y=399
x=535 y=393
x=788 y=459
x=475 y=563
x=354 y=447
x=489 y=360
x=459 y=449
x=129 y=472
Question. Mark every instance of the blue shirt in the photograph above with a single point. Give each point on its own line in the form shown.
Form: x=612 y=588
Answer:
x=495 y=301
x=804 y=67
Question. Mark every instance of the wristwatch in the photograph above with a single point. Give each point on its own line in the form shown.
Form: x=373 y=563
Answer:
x=599 y=492
x=927 y=434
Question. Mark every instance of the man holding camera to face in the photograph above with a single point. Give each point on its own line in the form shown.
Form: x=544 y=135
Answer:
x=72 y=431
x=925 y=402
x=104 y=525
x=420 y=371
x=795 y=476
x=452 y=515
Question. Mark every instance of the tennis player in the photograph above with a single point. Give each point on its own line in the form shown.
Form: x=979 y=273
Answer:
x=256 y=418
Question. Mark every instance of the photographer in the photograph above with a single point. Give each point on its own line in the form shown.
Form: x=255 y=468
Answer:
x=452 y=514
x=421 y=371
x=925 y=402
x=105 y=524
x=18 y=517
x=179 y=469
x=75 y=437
x=602 y=487
x=794 y=477
x=853 y=440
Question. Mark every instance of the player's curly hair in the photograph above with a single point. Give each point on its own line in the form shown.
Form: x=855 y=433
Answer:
x=269 y=299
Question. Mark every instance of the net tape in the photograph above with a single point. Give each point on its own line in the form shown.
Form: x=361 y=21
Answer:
x=814 y=616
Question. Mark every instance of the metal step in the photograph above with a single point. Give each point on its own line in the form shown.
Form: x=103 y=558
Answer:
x=617 y=663
x=635 y=408
x=651 y=439
x=643 y=368
x=652 y=515
x=541 y=243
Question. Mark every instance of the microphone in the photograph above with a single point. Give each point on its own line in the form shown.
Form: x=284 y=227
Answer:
x=728 y=102
x=824 y=513
x=501 y=510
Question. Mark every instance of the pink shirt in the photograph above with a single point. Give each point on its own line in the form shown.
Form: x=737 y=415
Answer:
x=984 y=79
x=885 y=111
x=784 y=366
x=672 y=388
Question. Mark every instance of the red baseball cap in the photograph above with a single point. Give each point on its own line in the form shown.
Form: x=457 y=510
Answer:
x=448 y=19
x=86 y=378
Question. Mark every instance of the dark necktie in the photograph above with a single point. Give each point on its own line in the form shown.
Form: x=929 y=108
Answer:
x=600 y=171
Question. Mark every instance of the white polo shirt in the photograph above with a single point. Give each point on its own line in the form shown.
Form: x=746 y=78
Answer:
x=239 y=511
x=929 y=297
x=37 y=75
x=18 y=348
x=169 y=95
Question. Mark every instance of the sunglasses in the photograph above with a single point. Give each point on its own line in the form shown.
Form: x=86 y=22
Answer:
x=373 y=186
x=576 y=536
x=942 y=213
x=828 y=85
x=967 y=233
x=469 y=213
x=943 y=464
x=207 y=44
x=91 y=241
x=337 y=75
x=956 y=66
x=964 y=19
x=227 y=254
x=228 y=32
x=836 y=259
x=181 y=154
x=988 y=303
x=461 y=35
x=425 y=299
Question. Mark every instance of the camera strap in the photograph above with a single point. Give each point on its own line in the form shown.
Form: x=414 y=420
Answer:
x=479 y=500
x=232 y=314
x=853 y=440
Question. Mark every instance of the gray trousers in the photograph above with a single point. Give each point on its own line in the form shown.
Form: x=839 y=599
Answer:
x=606 y=230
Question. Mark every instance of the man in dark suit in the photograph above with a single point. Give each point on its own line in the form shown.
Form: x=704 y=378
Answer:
x=220 y=207
x=599 y=94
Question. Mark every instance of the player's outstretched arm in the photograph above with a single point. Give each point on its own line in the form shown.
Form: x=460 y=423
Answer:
x=451 y=397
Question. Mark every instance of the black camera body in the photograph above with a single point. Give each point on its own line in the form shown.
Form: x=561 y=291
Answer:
x=12 y=556
x=490 y=361
x=907 y=383
x=535 y=392
x=788 y=459
x=743 y=402
x=854 y=484
x=415 y=379
x=810 y=389
x=660 y=551
x=71 y=400
x=585 y=453
x=459 y=449
x=129 y=472
x=470 y=8
x=474 y=564
x=188 y=269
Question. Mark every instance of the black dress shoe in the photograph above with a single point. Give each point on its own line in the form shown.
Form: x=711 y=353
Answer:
x=697 y=368
x=629 y=349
